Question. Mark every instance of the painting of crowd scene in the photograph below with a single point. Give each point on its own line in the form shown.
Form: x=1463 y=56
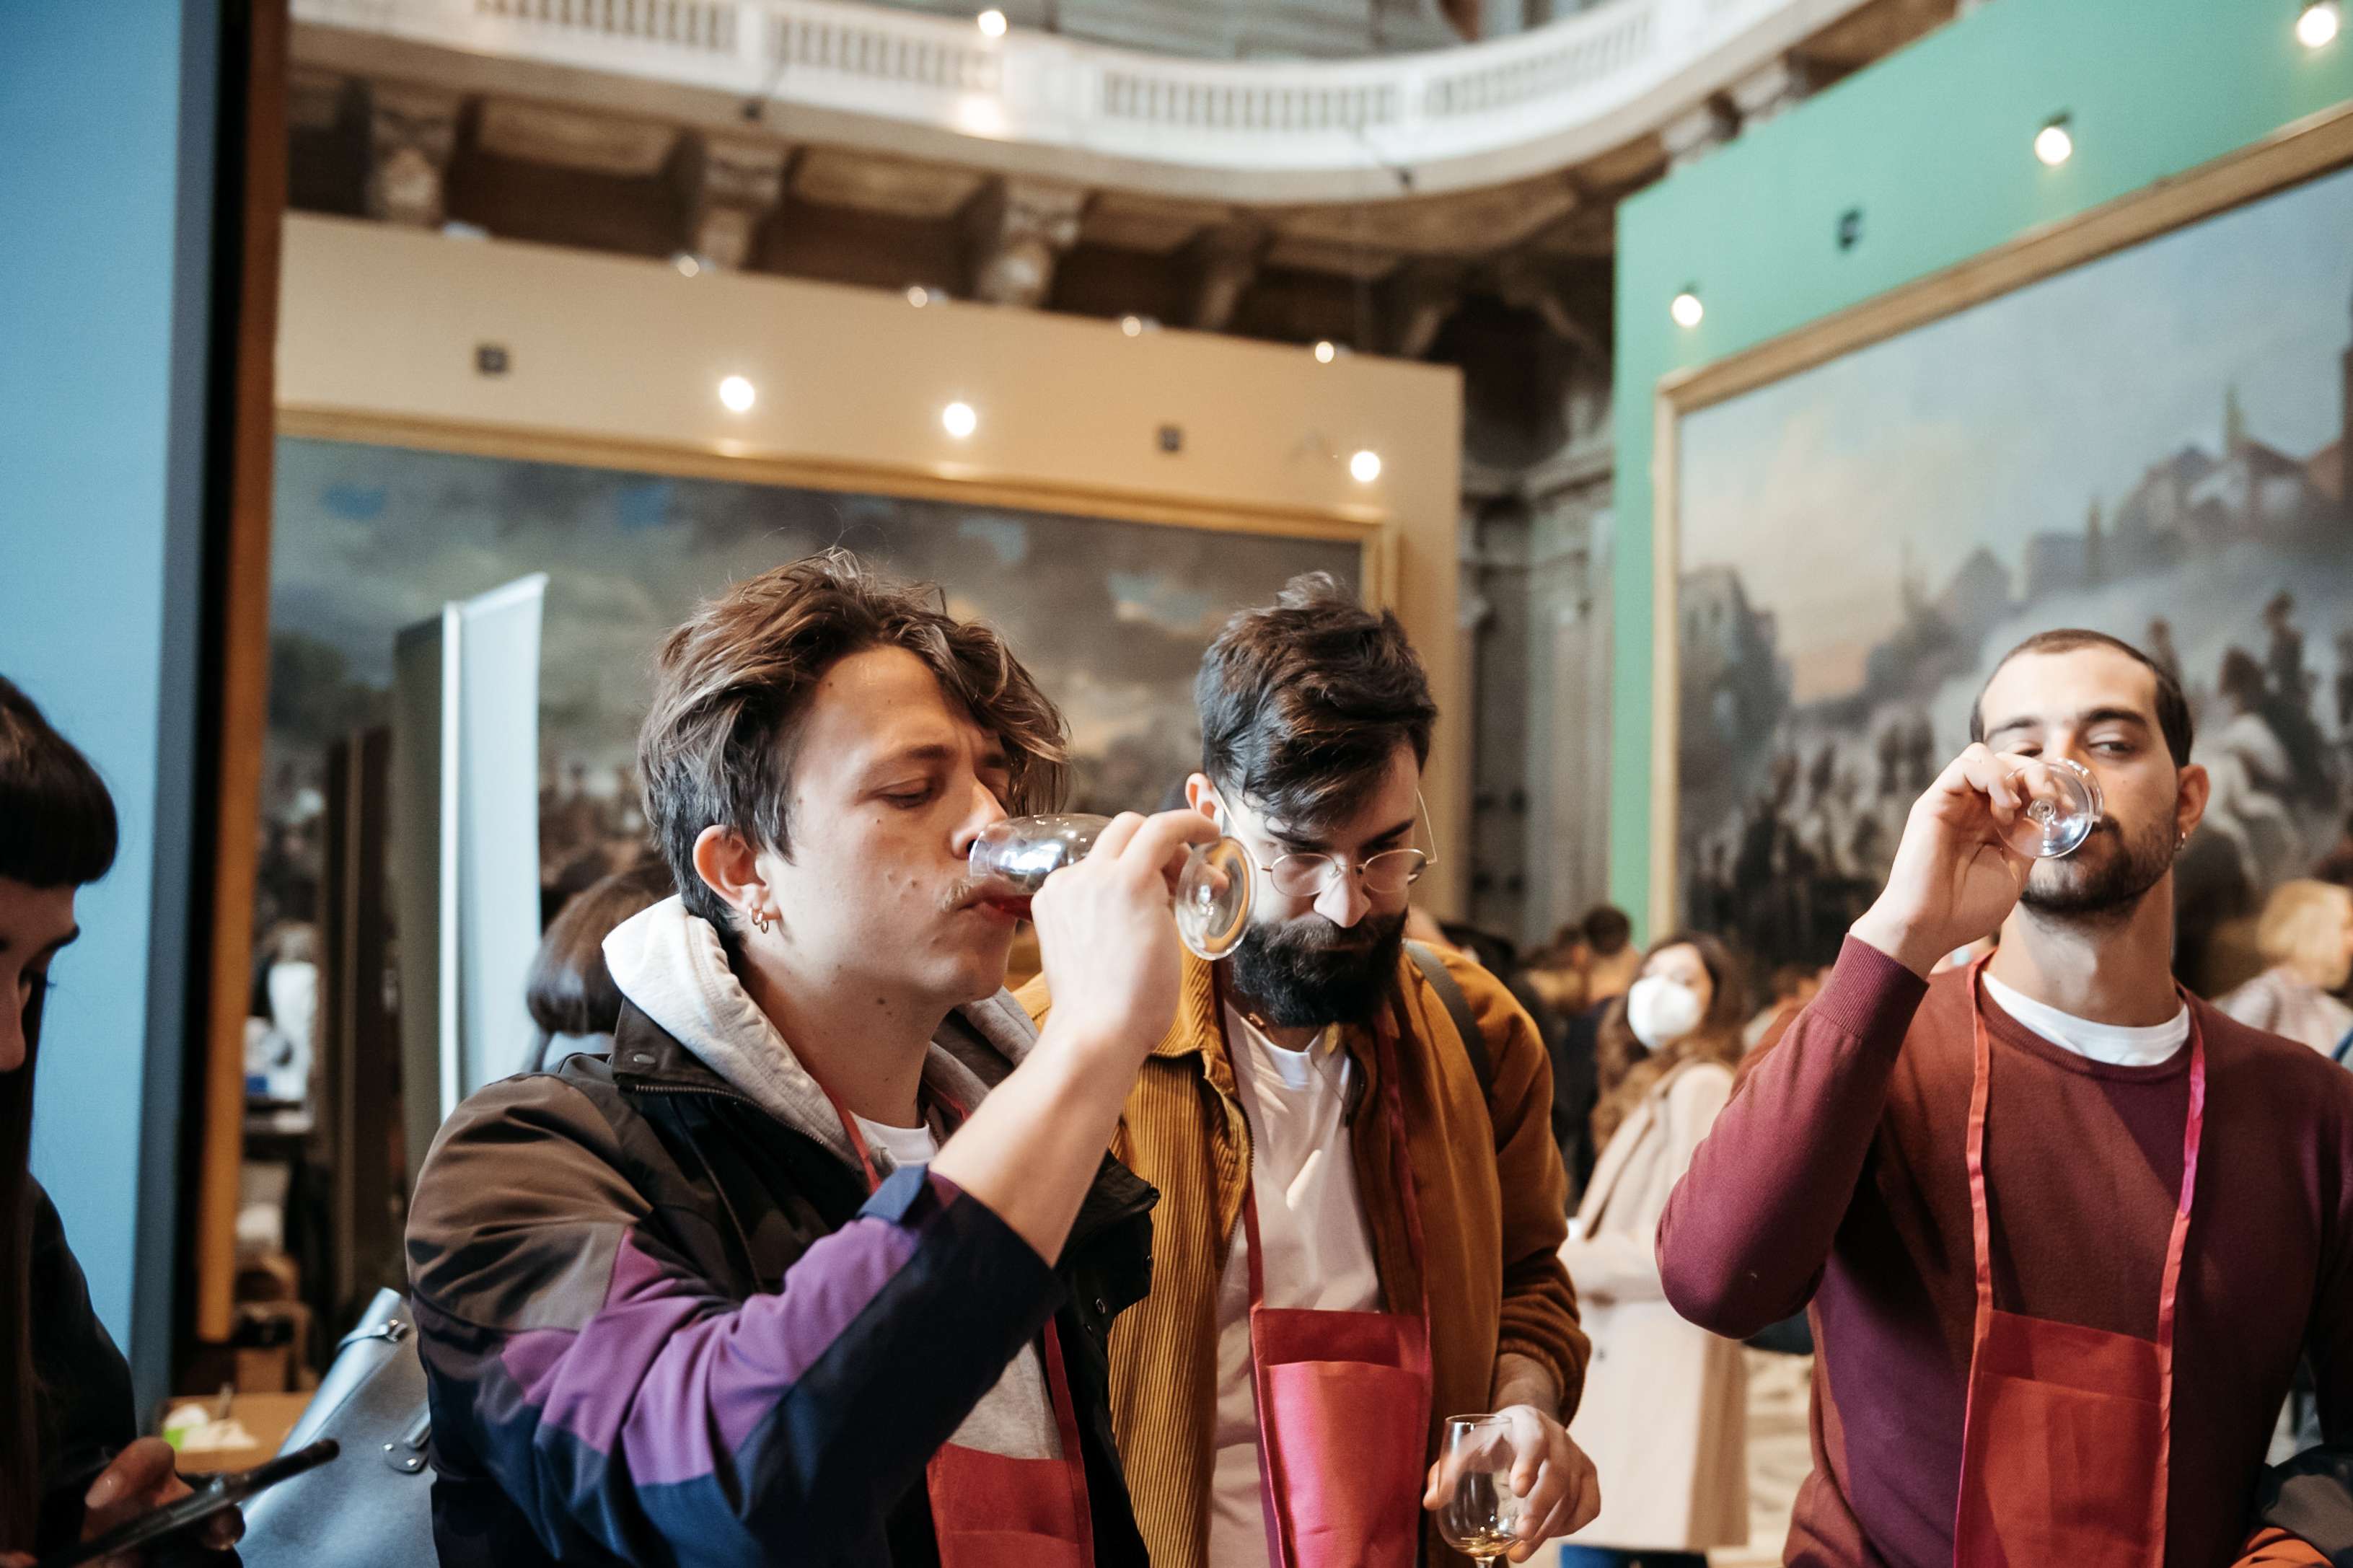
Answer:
x=2154 y=445
x=1111 y=616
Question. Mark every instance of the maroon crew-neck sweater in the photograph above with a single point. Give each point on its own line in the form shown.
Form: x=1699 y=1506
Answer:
x=1836 y=1177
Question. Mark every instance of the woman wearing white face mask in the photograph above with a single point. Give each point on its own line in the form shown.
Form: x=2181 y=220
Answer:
x=1664 y=1413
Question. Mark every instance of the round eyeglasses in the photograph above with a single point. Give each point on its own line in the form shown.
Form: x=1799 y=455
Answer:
x=1306 y=876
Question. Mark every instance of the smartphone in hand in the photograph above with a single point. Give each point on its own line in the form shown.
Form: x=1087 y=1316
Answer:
x=212 y=1495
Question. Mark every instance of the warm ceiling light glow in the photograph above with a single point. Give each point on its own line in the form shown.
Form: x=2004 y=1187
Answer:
x=918 y=296
x=958 y=420
x=992 y=23
x=1326 y=351
x=687 y=264
x=2318 y=24
x=2052 y=144
x=738 y=394
x=1132 y=325
x=1686 y=309
x=1365 y=466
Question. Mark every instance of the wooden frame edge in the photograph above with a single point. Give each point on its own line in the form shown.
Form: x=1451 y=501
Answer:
x=2303 y=149
x=1362 y=525
x=244 y=654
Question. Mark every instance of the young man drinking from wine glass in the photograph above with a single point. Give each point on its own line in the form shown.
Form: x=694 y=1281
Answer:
x=1361 y=1199
x=2064 y=1230
x=818 y=1266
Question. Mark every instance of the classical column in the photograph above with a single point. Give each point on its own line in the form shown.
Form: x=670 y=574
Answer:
x=1421 y=295
x=1690 y=137
x=412 y=131
x=1523 y=282
x=1225 y=261
x=1018 y=230
x=728 y=186
x=1777 y=86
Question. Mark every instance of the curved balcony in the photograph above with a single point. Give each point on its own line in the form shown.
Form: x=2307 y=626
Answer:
x=1254 y=131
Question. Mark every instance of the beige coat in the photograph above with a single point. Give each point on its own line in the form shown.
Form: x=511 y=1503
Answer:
x=1665 y=1411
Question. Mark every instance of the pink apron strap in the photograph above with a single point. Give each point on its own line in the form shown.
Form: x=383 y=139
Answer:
x=2193 y=1135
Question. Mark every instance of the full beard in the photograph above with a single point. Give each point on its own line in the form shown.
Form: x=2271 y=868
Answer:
x=1308 y=973
x=2106 y=878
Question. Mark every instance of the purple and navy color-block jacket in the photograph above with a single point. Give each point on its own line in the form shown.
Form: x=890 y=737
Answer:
x=661 y=1326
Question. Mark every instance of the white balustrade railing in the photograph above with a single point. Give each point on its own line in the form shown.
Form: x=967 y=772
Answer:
x=1457 y=108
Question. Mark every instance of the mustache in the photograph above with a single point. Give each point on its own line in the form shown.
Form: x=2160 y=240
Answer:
x=1317 y=935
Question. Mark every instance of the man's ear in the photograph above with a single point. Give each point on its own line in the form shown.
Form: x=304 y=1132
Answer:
x=2190 y=801
x=1202 y=796
x=730 y=867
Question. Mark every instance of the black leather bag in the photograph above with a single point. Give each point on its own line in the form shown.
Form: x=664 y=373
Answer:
x=373 y=1508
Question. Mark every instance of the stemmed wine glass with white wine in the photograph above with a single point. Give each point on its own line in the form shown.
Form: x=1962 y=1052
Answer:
x=1481 y=1516
x=1012 y=859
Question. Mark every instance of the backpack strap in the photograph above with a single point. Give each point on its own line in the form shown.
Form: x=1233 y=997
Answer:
x=1458 y=1008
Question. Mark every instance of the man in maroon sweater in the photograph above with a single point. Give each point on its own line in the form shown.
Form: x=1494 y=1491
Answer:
x=1839 y=1176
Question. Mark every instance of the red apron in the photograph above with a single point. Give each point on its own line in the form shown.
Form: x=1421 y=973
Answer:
x=1343 y=1398
x=2068 y=1432
x=992 y=1512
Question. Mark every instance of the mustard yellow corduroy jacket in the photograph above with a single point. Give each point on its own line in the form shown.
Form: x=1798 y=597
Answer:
x=1491 y=1193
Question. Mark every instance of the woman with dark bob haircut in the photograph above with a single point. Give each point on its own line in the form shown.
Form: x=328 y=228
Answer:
x=72 y=1464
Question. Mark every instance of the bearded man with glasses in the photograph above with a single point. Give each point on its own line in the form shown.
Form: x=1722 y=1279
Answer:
x=1361 y=1199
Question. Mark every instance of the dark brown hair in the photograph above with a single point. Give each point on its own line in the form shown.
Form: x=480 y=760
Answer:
x=2172 y=703
x=570 y=991
x=1606 y=929
x=731 y=687
x=1304 y=700
x=1628 y=1070
x=58 y=829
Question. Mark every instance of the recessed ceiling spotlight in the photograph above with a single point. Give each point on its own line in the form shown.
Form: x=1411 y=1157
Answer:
x=738 y=394
x=918 y=296
x=1326 y=351
x=686 y=262
x=1686 y=309
x=958 y=420
x=1132 y=325
x=992 y=23
x=2318 y=24
x=1365 y=466
x=2055 y=145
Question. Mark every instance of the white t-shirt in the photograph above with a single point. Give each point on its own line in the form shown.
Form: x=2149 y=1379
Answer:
x=2118 y=1045
x=1016 y=1418
x=1319 y=1252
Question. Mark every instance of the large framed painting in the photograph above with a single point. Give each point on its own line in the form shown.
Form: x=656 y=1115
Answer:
x=2139 y=424
x=1111 y=613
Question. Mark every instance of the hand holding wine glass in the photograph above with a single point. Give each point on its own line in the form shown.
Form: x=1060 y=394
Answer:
x=1968 y=848
x=1106 y=935
x=1504 y=1484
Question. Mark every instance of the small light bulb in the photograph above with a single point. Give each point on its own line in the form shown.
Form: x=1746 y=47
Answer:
x=738 y=394
x=687 y=264
x=1365 y=466
x=992 y=23
x=1686 y=309
x=1132 y=325
x=2318 y=24
x=2052 y=145
x=958 y=420
x=918 y=296
x=1326 y=351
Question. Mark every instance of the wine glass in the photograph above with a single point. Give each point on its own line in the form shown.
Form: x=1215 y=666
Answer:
x=2062 y=803
x=1482 y=1517
x=1011 y=860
